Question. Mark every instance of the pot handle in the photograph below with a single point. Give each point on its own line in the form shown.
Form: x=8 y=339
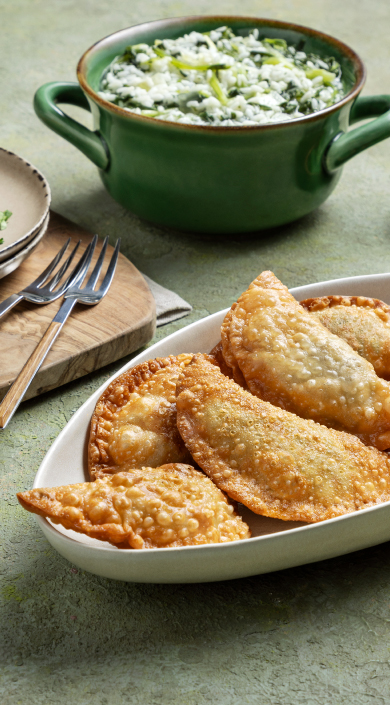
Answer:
x=346 y=144
x=90 y=143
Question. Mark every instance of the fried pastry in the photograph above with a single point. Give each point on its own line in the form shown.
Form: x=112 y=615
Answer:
x=362 y=322
x=291 y=360
x=274 y=462
x=134 y=422
x=227 y=352
x=174 y=505
x=217 y=355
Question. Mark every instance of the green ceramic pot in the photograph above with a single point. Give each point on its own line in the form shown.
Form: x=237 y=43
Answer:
x=216 y=179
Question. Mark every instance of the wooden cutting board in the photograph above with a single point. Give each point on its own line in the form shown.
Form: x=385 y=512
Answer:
x=92 y=337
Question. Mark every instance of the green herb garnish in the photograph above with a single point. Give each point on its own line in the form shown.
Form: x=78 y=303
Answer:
x=4 y=218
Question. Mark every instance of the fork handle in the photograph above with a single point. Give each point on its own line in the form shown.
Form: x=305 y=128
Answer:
x=16 y=393
x=9 y=303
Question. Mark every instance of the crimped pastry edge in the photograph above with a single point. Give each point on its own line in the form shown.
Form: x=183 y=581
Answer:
x=105 y=407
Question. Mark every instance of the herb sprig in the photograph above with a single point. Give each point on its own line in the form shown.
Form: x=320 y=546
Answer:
x=4 y=218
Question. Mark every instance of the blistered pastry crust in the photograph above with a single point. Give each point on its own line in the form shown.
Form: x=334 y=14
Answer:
x=171 y=506
x=134 y=422
x=227 y=351
x=274 y=462
x=363 y=323
x=291 y=360
x=217 y=354
x=321 y=302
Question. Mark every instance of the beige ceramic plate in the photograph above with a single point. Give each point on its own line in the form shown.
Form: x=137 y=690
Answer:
x=274 y=544
x=9 y=265
x=26 y=193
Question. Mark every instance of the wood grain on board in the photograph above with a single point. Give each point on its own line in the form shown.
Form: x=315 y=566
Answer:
x=92 y=337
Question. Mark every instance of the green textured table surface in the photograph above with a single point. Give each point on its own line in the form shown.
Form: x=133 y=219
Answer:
x=315 y=635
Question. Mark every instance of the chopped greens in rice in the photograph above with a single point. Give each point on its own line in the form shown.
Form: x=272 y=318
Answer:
x=219 y=78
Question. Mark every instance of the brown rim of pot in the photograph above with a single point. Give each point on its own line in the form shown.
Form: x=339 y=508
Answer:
x=225 y=19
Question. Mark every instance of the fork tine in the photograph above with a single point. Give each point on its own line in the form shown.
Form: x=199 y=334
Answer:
x=53 y=282
x=76 y=277
x=98 y=266
x=105 y=285
x=46 y=273
x=78 y=273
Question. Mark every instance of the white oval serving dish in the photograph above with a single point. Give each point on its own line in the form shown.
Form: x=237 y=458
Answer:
x=274 y=544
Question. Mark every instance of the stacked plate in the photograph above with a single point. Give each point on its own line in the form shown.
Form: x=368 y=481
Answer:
x=26 y=194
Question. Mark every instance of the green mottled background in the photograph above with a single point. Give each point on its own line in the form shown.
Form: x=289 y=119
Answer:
x=316 y=635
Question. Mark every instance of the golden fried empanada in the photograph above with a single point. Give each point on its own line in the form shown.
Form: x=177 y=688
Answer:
x=227 y=352
x=274 y=462
x=291 y=360
x=362 y=322
x=174 y=505
x=217 y=355
x=134 y=422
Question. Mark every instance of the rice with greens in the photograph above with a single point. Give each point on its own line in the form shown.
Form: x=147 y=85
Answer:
x=219 y=78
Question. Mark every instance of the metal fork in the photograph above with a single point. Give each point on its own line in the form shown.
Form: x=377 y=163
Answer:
x=41 y=291
x=75 y=294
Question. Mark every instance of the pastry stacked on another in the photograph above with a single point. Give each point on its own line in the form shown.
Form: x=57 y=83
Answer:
x=134 y=422
x=280 y=416
x=271 y=460
x=287 y=357
x=364 y=323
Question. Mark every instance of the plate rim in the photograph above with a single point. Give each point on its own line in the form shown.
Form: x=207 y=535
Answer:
x=112 y=550
x=25 y=251
x=26 y=237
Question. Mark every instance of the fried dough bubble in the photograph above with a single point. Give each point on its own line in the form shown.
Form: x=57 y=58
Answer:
x=290 y=359
x=134 y=422
x=170 y=506
x=364 y=324
x=273 y=461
